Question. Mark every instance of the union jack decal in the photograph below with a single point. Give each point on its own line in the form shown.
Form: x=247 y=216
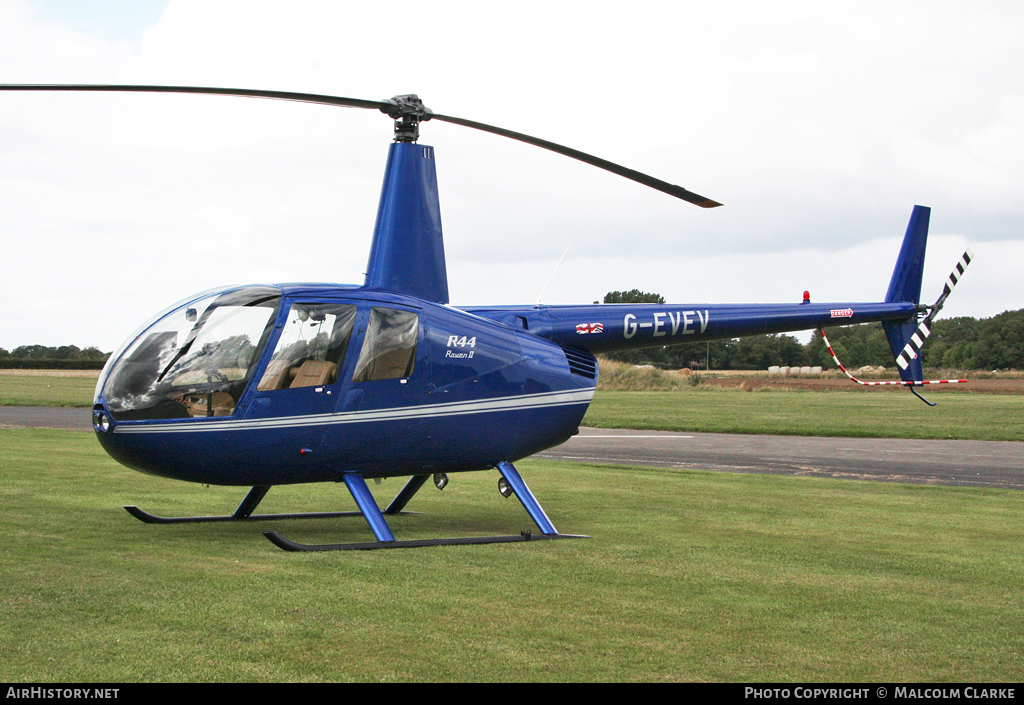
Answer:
x=583 y=328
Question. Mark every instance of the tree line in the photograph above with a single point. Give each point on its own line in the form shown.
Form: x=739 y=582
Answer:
x=995 y=343
x=64 y=352
x=967 y=343
x=66 y=357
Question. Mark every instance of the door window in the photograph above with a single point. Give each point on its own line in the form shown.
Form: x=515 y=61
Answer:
x=389 y=348
x=311 y=348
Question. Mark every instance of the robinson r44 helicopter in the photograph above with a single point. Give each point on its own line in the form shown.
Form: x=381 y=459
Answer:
x=269 y=385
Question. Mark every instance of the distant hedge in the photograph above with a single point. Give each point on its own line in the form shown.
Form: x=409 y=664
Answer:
x=20 y=363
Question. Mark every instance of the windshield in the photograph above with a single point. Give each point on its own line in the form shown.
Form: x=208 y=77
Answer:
x=196 y=360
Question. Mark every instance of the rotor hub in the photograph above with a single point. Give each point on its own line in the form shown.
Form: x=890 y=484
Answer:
x=407 y=111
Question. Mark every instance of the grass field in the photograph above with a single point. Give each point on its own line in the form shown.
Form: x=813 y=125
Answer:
x=46 y=390
x=689 y=576
x=990 y=417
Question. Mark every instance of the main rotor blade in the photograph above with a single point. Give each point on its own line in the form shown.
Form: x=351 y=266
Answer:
x=641 y=178
x=244 y=92
x=396 y=109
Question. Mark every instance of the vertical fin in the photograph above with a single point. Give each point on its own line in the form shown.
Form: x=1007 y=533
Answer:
x=407 y=253
x=899 y=335
x=905 y=285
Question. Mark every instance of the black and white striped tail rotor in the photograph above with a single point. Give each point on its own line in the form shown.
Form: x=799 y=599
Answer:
x=913 y=348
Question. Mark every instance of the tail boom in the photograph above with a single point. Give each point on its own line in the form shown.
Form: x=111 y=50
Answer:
x=599 y=328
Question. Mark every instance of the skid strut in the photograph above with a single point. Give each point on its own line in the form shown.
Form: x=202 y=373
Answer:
x=385 y=539
x=402 y=498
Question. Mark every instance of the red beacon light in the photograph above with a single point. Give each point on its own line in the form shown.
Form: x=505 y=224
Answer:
x=807 y=297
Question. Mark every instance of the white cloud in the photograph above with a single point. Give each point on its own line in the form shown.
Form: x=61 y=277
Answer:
x=818 y=125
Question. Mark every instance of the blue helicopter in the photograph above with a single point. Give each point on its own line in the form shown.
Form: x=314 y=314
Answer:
x=280 y=384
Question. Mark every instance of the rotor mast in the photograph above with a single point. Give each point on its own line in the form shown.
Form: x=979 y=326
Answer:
x=407 y=251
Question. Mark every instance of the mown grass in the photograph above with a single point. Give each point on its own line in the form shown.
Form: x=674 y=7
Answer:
x=990 y=417
x=46 y=390
x=689 y=576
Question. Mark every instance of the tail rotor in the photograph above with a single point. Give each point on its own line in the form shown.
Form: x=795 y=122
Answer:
x=912 y=350
x=913 y=347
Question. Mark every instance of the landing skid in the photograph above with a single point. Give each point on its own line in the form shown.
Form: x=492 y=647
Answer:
x=289 y=545
x=385 y=539
x=243 y=513
x=145 y=516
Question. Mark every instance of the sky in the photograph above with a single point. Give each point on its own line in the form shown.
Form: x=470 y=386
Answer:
x=818 y=125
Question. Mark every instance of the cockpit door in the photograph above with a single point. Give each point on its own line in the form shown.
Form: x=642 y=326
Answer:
x=381 y=416
x=303 y=376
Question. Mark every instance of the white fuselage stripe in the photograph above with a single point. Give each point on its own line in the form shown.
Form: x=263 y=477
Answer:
x=522 y=402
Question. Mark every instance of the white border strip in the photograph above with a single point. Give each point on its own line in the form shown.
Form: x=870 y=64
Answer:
x=527 y=401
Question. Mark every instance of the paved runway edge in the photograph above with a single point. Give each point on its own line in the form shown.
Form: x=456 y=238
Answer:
x=945 y=462
x=64 y=418
x=996 y=464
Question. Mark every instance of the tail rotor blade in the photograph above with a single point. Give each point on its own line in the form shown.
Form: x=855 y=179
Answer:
x=954 y=278
x=916 y=342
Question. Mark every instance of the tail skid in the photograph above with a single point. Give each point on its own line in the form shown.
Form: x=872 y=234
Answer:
x=903 y=383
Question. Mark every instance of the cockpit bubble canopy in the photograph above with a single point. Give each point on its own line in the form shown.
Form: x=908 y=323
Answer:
x=195 y=360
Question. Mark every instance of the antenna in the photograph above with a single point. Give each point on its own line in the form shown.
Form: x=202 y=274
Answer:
x=539 y=296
